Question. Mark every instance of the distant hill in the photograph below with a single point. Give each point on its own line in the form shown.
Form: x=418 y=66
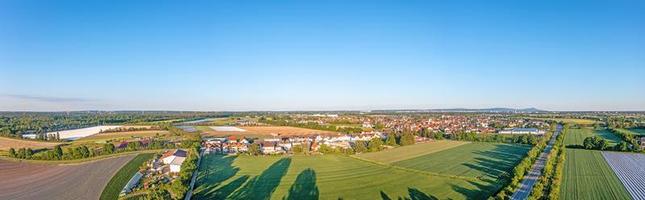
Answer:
x=469 y=110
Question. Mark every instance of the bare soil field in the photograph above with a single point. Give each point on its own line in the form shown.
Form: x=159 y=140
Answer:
x=6 y=143
x=19 y=180
x=270 y=131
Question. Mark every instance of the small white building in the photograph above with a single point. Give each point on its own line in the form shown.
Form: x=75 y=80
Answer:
x=530 y=131
x=175 y=165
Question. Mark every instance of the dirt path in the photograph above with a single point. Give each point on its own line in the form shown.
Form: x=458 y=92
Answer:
x=19 y=180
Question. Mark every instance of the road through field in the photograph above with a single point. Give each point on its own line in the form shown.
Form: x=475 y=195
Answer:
x=19 y=180
x=536 y=170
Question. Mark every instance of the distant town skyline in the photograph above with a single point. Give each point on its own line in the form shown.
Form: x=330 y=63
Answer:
x=328 y=55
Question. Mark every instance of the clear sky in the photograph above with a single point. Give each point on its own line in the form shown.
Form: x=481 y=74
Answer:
x=321 y=55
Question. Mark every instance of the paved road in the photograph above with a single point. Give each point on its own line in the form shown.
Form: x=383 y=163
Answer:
x=536 y=170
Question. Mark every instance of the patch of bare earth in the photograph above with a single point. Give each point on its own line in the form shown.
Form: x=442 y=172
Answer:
x=6 y=143
x=19 y=180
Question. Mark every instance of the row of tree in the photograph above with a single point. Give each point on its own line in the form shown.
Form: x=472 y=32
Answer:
x=483 y=137
x=524 y=167
x=548 y=185
x=629 y=138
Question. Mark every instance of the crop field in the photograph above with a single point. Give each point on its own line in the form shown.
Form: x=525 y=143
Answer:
x=6 y=143
x=20 y=180
x=570 y=120
x=630 y=169
x=411 y=151
x=82 y=132
x=484 y=161
x=588 y=176
x=324 y=177
x=267 y=131
x=121 y=178
x=102 y=137
x=577 y=136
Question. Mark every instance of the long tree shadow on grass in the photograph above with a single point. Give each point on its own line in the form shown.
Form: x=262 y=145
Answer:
x=304 y=188
x=214 y=170
x=481 y=191
x=414 y=194
x=498 y=162
x=261 y=187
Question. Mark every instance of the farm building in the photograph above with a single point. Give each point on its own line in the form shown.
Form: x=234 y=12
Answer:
x=174 y=159
x=531 y=131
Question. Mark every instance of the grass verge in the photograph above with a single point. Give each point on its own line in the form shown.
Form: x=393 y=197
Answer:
x=118 y=181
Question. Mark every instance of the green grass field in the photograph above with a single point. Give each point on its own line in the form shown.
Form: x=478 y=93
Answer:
x=411 y=151
x=588 y=176
x=484 y=161
x=577 y=136
x=118 y=181
x=325 y=177
x=637 y=131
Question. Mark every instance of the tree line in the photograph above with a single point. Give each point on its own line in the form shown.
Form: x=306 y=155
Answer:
x=548 y=186
x=524 y=166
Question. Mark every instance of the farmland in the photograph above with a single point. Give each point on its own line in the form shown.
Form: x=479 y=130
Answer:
x=6 y=143
x=576 y=136
x=588 y=176
x=121 y=178
x=630 y=169
x=570 y=120
x=484 y=161
x=20 y=180
x=411 y=151
x=265 y=131
x=324 y=177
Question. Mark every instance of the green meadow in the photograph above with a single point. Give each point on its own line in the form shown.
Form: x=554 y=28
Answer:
x=344 y=177
x=576 y=136
x=588 y=176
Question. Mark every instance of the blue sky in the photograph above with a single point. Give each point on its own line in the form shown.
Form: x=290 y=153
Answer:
x=321 y=55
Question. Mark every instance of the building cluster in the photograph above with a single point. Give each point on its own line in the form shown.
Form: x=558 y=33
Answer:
x=281 y=145
x=161 y=169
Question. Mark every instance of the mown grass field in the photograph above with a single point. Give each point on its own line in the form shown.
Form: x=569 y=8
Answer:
x=324 y=177
x=588 y=176
x=118 y=181
x=411 y=151
x=577 y=136
x=637 y=131
x=484 y=161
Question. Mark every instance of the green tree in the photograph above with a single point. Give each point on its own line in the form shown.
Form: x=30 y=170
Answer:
x=254 y=149
x=58 y=152
x=375 y=144
x=12 y=152
x=391 y=140
x=360 y=147
x=406 y=139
